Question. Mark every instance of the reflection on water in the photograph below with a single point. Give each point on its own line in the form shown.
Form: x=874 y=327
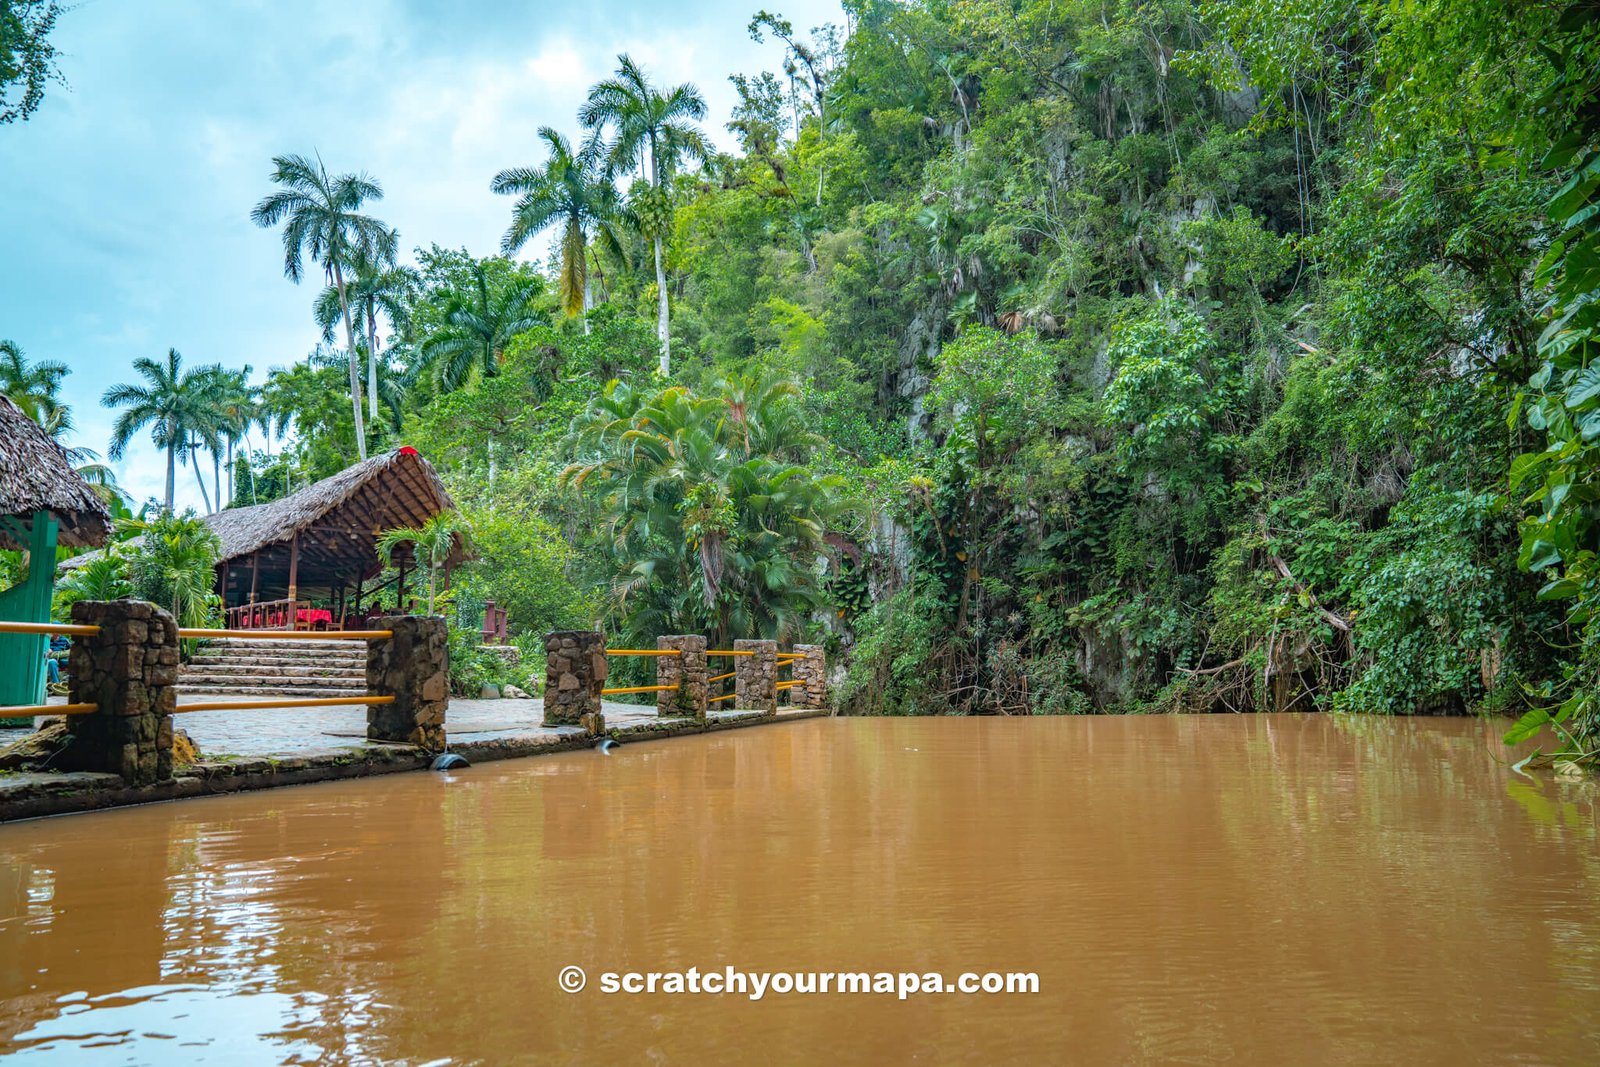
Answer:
x=1288 y=889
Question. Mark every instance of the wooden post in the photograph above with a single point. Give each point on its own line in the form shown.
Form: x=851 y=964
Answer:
x=294 y=572
x=255 y=573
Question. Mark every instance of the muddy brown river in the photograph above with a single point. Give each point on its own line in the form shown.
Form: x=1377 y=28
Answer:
x=1262 y=889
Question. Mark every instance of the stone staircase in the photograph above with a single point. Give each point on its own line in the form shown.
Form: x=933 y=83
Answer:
x=276 y=668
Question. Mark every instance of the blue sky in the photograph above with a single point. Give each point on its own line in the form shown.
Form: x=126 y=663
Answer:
x=125 y=223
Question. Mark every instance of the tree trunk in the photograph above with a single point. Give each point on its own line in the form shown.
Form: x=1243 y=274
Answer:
x=355 y=364
x=372 y=364
x=172 y=463
x=663 y=331
x=200 y=479
x=588 y=300
x=230 y=470
x=216 y=477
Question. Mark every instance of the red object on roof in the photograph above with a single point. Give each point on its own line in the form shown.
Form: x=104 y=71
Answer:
x=407 y=450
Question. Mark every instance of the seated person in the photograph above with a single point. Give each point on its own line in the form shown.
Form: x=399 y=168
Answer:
x=55 y=651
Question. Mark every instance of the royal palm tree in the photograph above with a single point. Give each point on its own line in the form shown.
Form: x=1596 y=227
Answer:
x=236 y=402
x=569 y=190
x=478 y=325
x=657 y=132
x=174 y=403
x=378 y=285
x=33 y=387
x=322 y=221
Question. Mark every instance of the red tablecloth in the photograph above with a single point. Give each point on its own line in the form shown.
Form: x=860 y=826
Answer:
x=271 y=616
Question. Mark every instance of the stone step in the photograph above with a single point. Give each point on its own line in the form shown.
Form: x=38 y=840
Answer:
x=258 y=670
x=252 y=691
x=271 y=648
x=284 y=682
x=340 y=662
x=272 y=675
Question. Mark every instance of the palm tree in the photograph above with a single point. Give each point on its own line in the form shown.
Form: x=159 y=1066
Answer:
x=433 y=542
x=569 y=190
x=321 y=221
x=236 y=402
x=33 y=387
x=654 y=129
x=478 y=326
x=379 y=286
x=701 y=534
x=176 y=404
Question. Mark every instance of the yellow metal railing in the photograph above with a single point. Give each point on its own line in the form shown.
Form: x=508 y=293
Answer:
x=206 y=705
x=639 y=689
x=48 y=628
x=26 y=711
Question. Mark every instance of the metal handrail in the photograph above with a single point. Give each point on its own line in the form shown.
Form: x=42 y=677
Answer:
x=73 y=629
x=725 y=696
x=644 y=651
x=28 y=710
x=728 y=652
x=638 y=689
x=721 y=677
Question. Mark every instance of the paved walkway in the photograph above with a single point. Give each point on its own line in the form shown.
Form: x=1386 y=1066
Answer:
x=298 y=731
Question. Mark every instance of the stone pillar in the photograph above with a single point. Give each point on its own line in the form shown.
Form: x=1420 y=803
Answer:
x=755 y=678
x=128 y=669
x=412 y=667
x=687 y=672
x=574 y=674
x=811 y=669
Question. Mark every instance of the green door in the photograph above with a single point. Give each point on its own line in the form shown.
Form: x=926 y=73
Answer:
x=22 y=655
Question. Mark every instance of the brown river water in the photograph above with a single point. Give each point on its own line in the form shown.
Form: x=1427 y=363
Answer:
x=1257 y=889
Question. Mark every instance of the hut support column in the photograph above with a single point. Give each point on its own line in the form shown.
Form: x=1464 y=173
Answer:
x=294 y=569
x=255 y=573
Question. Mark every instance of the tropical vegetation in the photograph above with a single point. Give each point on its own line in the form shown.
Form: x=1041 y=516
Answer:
x=1037 y=356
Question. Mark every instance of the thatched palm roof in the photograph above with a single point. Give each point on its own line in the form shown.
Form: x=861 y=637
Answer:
x=36 y=475
x=337 y=519
x=382 y=493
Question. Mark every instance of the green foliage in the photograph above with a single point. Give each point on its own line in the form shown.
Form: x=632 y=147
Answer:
x=173 y=564
x=705 y=527
x=27 y=56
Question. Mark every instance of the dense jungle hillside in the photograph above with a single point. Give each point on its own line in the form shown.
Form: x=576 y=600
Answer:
x=1040 y=356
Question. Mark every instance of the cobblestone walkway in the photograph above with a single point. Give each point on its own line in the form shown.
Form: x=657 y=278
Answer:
x=297 y=731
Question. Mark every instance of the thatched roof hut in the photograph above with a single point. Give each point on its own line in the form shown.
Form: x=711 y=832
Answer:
x=36 y=476
x=322 y=540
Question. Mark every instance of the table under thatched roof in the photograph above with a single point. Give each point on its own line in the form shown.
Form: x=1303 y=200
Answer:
x=36 y=475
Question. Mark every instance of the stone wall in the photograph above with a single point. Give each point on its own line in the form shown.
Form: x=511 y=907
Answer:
x=811 y=669
x=128 y=670
x=688 y=672
x=575 y=672
x=412 y=667
x=756 y=677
